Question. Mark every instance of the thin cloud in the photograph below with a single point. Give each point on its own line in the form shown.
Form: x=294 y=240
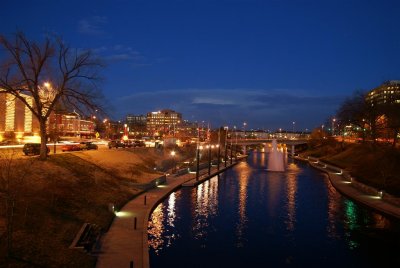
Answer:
x=215 y=101
x=93 y=26
x=260 y=108
x=121 y=53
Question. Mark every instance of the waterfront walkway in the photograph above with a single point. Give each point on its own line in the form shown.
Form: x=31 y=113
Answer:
x=125 y=243
x=361 y=193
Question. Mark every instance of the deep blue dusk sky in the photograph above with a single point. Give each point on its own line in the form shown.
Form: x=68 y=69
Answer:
x=268 y=63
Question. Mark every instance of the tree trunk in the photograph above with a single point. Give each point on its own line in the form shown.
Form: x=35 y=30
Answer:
x=43 y=139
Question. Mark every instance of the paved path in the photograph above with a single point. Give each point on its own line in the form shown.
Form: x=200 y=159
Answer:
x=360 y=193
x=124 y=243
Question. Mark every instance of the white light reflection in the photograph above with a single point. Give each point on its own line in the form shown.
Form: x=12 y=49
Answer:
x=244 y=174
x=293 y=171
x=206 y=206
x=171 y=210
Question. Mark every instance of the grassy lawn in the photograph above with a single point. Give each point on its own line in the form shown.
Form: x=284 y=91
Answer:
x=54 y=198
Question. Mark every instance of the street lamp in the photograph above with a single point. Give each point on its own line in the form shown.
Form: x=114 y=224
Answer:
x=173 y=153
x=333 y=126
x=209 y=158
x=244 y=129
x=226 y=141
x=235 y=144
x=198 y=161
x=219 y=148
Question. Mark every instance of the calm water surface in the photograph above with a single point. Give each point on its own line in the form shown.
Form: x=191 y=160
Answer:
x=249 y=217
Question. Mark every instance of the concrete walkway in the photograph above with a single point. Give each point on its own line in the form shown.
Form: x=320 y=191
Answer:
x=125 y=243
x=363 y=194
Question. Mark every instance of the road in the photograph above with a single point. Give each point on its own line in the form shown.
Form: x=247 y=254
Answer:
x=16 y=150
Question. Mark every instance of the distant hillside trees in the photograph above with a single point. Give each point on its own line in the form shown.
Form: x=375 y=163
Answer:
x=372 y=121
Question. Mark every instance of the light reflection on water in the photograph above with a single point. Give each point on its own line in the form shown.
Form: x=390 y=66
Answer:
x=156 y=228
x=291 y=189
x=205 y=203
x=249 y=217
x=160 y=234
x=244 y=170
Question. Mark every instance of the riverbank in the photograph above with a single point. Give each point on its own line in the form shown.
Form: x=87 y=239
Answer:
x=375 y=165
x=49 y=201
x=347 y=185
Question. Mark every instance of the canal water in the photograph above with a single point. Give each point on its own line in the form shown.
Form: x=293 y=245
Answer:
x=250 y=217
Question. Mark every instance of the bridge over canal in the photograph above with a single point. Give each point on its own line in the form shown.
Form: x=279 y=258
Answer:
x=292 y=143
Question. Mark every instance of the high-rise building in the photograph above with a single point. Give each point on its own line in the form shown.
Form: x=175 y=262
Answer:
x=137 y=124
x=387 y=93
x=163 y=122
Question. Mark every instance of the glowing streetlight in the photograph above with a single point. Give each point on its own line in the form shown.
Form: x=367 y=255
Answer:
x=47 y=85
x=173 y=153
x=333 y=126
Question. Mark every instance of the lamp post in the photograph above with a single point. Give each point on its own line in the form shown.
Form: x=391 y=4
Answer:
x=197 y=162
x=333 y=126
x=226 y=141
x=173 y=153
x=219 y=148
x=244 y=129
x=231 y=151
x=198 y=152
x=235 y=144
x=209 y=159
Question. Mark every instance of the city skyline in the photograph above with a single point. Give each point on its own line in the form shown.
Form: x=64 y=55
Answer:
x=267 y=63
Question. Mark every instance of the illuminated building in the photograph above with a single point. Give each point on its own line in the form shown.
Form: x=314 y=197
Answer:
x=387 y=93
x=70 y=125
x=163 y=122
x=16 y=120
x=137 y=124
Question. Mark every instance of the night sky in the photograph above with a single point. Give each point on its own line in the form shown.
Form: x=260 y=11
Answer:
x=268 y=63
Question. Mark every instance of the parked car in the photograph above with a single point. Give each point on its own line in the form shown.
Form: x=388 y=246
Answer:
x=33 y=149
x=88 y=145
x=71 y=147
x=139 y=143
x=129 y=143
x=6 y=142
x=116 y=144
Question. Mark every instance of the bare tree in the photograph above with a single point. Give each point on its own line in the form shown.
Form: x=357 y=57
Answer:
x=366 y=116
x=352 y=111
x=392 y=119
x=50 y=73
